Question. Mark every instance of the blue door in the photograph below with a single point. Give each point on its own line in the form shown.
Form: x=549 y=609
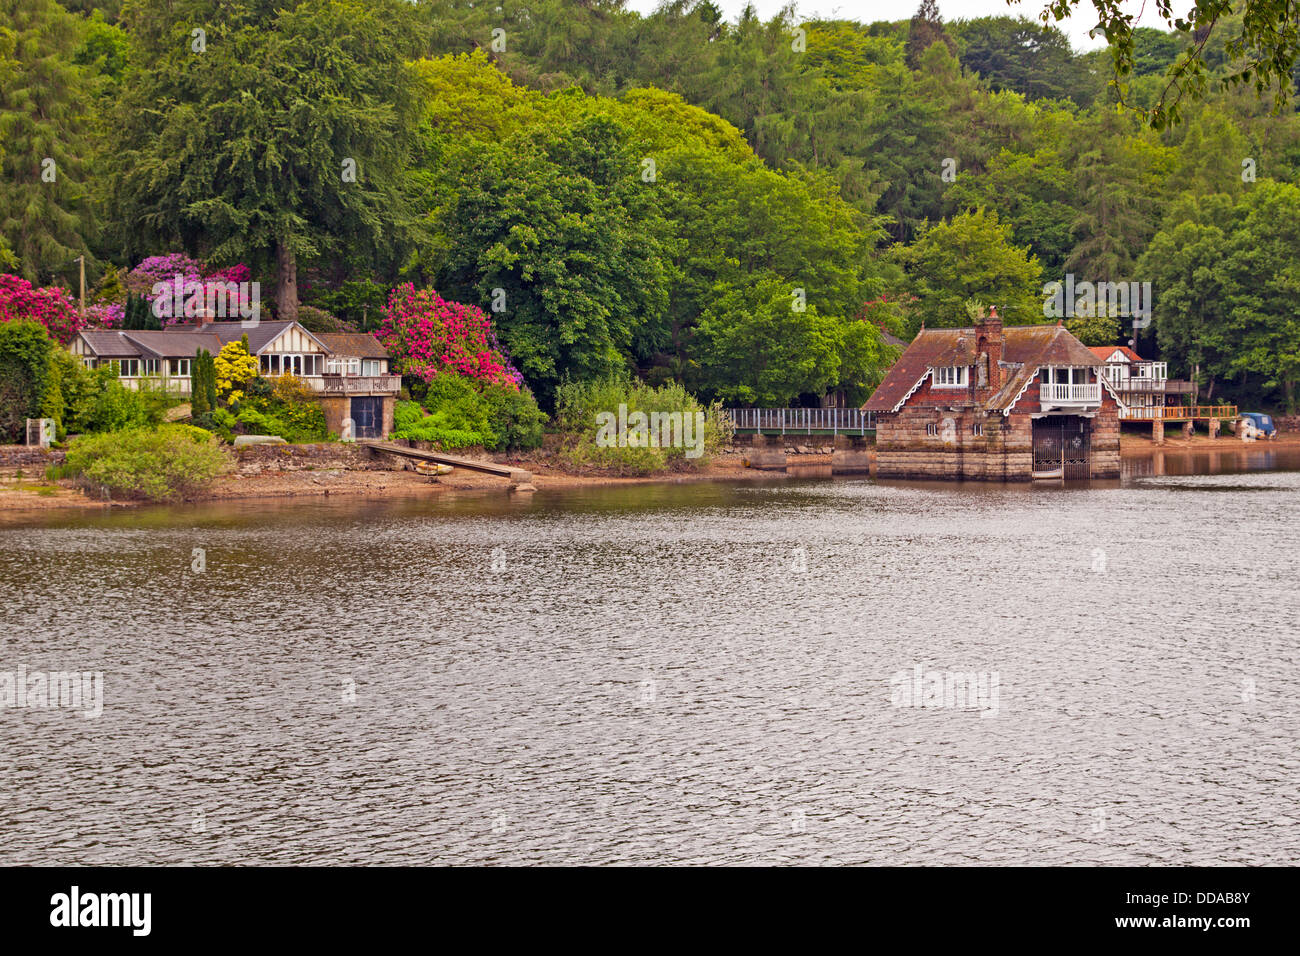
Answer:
x=368 y=417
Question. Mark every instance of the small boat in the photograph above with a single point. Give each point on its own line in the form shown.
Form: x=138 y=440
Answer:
x=432 y=468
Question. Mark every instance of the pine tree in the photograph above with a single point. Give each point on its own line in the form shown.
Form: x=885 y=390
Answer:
x=199 y=404
x=44 y=102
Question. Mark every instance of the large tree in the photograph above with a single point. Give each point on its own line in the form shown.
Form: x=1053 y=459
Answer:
x=44 y=102
x=268 y=130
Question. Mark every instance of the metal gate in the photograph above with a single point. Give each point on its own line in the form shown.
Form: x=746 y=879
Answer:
x=1062 y=446
x=368 y=417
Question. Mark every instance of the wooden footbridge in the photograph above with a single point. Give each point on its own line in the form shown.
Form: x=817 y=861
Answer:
x=520 y=480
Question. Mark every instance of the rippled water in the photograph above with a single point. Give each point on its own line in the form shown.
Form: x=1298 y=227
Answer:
x=686 y=673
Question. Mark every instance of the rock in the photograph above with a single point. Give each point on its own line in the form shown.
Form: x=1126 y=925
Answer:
x=251 y=469
x=242 y=440
x=803 y=450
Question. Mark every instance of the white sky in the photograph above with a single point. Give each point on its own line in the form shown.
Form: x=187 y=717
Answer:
x=866 y=11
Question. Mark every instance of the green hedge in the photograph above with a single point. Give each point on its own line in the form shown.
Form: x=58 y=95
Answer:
x=156 y=464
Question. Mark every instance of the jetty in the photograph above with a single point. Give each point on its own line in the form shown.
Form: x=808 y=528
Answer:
x=520 y=480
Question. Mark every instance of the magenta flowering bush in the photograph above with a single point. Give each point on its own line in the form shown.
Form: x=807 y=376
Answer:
x=52 y=307
x=427 y=336
x=142 y=279
x=106 y=315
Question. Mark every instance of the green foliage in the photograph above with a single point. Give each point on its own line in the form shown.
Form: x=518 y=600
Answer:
x=328 y=76
x=104 y=404
x=586 y=413
x=971 y=257
x=157 y=464
x=203 y=398
x=514 y=417
x=443 y=428
x=45 y=97
x=25 y=376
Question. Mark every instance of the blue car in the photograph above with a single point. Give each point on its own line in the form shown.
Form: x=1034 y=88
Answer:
x=1263 y=423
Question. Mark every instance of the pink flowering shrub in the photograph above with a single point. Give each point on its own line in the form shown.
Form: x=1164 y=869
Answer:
x=427 y=336
x=142 y=279
x=52 y=307
x=106 y=315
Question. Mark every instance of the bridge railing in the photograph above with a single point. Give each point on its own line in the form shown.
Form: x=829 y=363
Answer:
x=803 y=421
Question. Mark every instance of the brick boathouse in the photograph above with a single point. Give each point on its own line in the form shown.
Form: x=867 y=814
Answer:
x=998 y=404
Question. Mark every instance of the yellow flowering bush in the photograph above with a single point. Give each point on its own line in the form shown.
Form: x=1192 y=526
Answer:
x=235 y=368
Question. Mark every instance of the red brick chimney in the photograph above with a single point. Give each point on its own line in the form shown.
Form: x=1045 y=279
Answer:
x=988 y=341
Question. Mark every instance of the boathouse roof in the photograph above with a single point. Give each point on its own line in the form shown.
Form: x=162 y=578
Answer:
x=1025 y=348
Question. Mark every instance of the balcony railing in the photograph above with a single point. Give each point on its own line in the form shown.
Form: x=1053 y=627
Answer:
x=356 y=384
x=1146 y=385
x=1061 y=394
x=1184 y=413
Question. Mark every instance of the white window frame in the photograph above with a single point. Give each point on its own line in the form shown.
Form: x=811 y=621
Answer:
x=931 y=429
x=951 y=376
x=977 y=429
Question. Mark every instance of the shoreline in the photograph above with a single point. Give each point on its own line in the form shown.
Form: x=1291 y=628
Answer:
x=27 y=495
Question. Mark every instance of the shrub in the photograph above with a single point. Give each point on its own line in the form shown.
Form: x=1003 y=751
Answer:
x=104 y=404
x=441 y=428
x=428 y=337
x=156 y=464
x=25 y=350
x=585 y=413
x=51 y=308
x=514 y=417
x=234 y=368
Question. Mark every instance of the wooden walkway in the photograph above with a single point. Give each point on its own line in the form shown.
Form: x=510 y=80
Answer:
x=802 y=421
x=518 y=476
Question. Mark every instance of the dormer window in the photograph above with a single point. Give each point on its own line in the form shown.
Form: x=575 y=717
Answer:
x=952 y=376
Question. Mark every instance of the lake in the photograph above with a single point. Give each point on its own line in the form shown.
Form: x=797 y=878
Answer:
x=811 y=671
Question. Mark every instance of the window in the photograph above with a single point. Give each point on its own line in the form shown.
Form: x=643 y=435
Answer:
x=370 y=367
x=181 y=367
x=128 y=368
x=932 y=429
x=334 y=366
x=354 y=366
x=149 y=367
x=977 y=429
x=951 y=376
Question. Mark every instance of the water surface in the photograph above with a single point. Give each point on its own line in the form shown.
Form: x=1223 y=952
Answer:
x=666 y=674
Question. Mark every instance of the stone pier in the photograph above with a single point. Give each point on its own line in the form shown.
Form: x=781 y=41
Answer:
x=1214 y=428
x=851 y=455
x=1158 y=431
x=767 y=451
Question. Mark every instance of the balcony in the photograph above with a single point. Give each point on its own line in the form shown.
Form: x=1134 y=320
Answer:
x=1153 y=385
x=1059 y=394
x=356 y=384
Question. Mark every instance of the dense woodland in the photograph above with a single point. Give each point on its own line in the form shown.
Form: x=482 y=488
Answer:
x=739 y=207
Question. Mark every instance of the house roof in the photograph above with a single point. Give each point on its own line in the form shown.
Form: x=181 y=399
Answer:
x=259 y=336
x=1104 y=352
x=359 y=344
x=172 y=344
x=109 y=343
x=1025 y=348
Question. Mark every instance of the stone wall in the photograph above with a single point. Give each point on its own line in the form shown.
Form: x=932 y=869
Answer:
x=255 y=459
x=1004 y=452
x=906 y=449
x=31 y=461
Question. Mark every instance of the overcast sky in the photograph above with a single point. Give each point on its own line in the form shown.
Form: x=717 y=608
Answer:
x=866 y=11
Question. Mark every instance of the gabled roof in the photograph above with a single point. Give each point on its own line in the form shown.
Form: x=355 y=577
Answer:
x=259 y=336
x=359 y=344
x=109 y=343
x=1104 y=352
x=1025 y=348
x=173 y=344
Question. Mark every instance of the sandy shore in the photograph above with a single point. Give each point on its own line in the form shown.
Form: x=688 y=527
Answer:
x=18 y=495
